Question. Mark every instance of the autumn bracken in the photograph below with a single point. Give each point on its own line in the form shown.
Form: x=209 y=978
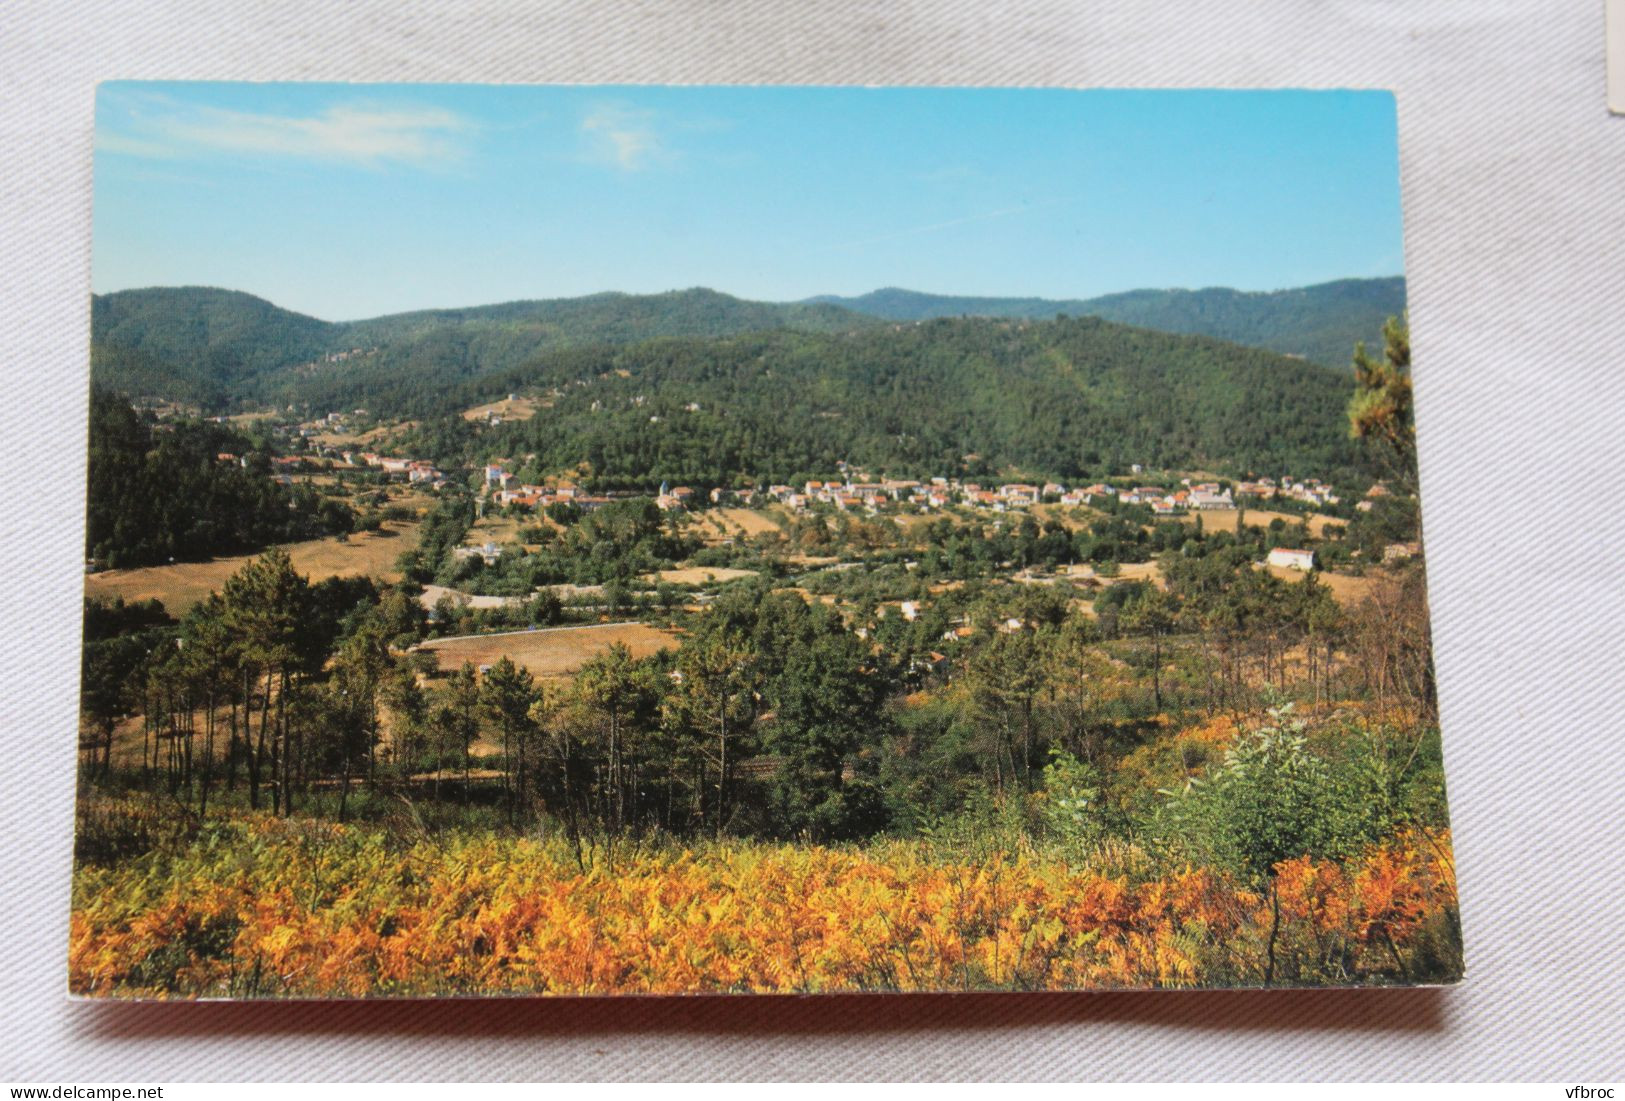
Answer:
x=269 y=907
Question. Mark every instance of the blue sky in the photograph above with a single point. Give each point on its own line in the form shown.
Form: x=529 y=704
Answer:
x=349 y=201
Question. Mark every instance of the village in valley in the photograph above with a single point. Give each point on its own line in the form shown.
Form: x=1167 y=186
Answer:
x=1287 y=505
x=1078 y=542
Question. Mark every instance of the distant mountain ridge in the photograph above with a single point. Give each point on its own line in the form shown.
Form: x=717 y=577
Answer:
x=222 y=349
x=197 y=344
x=215 y=347
x=1320 y=323
x=693 y=381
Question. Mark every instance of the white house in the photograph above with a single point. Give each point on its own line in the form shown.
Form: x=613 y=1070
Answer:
x=1292 y=559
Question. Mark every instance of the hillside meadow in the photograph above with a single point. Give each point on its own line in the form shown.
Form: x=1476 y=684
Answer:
x=181 y=585
x=549 y=651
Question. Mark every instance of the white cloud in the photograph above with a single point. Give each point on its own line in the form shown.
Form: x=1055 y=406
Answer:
x=355 y=133
x=623 y=137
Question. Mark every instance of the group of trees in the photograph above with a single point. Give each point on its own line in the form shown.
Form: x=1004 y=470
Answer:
x=630 y=746
x=271 y=684
x=615 y=543
x=275 y=691
x=160 y=492
x=773 y=717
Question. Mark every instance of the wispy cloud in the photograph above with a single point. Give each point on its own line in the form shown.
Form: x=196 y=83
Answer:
x=937 y=227
x=356 y=133
x=623 y=137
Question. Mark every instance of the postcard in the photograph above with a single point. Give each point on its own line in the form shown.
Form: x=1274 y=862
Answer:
x=571 y=540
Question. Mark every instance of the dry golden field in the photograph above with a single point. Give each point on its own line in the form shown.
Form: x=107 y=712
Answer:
x=552 y=651
x=1072 y=517
x=1138 y=571
x=1346 y=590
x=418 y=500
x=184 y=584
x=699 y=575
x=519 y=409
x=716 y=524
x=1224 y=519
x=343 y=437
x=495 y=528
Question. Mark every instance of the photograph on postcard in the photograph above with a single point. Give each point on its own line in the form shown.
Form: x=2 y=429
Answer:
x=572 y=540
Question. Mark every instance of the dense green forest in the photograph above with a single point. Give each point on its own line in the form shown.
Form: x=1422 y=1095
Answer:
x=1064 y=399
x=223 y=349
x=197 y=344
x=613 y=318
x=1319 y=323
x=158 y=493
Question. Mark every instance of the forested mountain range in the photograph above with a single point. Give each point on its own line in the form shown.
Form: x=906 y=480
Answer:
x=1067 y=399
x=1320 y=323
x=781 y=388
x=614 y=318
x=221 y=349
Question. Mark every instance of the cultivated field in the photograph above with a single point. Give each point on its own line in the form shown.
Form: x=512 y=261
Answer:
x=699 y=575
x=1346 y=590
x=1127 y=571
x=184 y=584
x=733 y=523
x=495 y=528
x=411 y=497
x=552 y=651
x=343 y=437
x=1224 y=519
x=433 y=594
x=1072 y=517
x=519 y=409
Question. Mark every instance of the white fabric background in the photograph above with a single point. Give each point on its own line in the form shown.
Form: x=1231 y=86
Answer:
x=1515 y=241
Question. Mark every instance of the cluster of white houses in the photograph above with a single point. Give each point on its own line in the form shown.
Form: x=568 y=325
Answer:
x=941 y=492
x=416 y=470
x=935 y=493
x=283 y=467
x=871 y=495
x=506 y=490
x=1311 y=491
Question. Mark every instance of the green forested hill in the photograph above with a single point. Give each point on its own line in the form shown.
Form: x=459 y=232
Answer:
x=1066 y=399
x=1319 y=323
x=197 y=344
x=616 y=318
x=781 y=388
x=218 y=348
